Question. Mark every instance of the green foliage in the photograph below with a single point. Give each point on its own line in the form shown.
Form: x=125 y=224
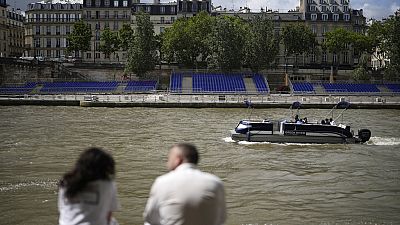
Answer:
x=391 y=73
x=337 y=40
x=261 y=45
x=186 y=42
x=226 y=43
x=392 y=45
x=125 y=35
x=298 y=39
x=360 y=74
x=142 y=54
x=109 y=42
x=79 y=38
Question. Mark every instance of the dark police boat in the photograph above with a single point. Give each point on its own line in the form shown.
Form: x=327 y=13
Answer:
x=299 y=131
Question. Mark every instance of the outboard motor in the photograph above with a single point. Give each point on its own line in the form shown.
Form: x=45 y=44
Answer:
x=364 y=135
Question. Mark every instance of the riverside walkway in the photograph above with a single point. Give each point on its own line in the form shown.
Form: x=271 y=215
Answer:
x=167 y=100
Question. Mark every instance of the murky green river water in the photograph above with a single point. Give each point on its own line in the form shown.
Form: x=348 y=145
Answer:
x=265 y=183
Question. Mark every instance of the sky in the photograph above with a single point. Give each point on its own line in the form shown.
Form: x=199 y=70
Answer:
x=376 y=9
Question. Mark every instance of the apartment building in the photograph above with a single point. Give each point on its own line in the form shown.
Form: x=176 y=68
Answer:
x=3 y=28
x=15 y=33
x=48 y=24
x=100 y=14
x=163 y=15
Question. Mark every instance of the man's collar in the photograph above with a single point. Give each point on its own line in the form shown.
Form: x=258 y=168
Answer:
x=184 y=166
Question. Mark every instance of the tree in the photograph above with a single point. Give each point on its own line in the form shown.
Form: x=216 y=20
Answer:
x=186 y=42
x=226 y=43
x=79 y=38
x=109 y=42
x=392 y=44
x=298 y=39
x=337 y=41
x=142 y=54
x=261 y=45
x=125 y=36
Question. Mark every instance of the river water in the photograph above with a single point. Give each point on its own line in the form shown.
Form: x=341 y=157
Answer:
x=265 y=183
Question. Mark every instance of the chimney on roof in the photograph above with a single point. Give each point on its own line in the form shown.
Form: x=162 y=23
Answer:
x=156 y=1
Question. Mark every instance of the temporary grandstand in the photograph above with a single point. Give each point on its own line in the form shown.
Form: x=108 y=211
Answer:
x=187 y=83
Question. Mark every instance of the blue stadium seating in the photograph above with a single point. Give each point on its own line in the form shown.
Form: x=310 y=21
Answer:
x=260 y=83
x=303 y=87
x=79 y=87
x=218 y=83
x=141 y=86
x=363 y=88
x=28 y=87
x=176 y=83
x=394 y=87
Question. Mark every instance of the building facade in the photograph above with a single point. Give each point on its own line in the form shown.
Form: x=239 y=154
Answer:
x=101 y=14
x=163 y=15
x=3 y=28
x=48 y=25
x=15 y=33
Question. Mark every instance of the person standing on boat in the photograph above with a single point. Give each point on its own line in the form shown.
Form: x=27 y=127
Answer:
x=185 y=195
x=87 y=194
x=331 y=122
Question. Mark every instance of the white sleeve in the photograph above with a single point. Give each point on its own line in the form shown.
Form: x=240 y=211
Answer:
x=114 y=198
x=221 y=204
x=151 y=213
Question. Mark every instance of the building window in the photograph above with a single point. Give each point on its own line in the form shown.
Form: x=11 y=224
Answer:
x=324 y=30
x=313 y=8
x=125 y=3
x=107 y=14
x=97 y=36
x=324 y=17
x=314 y=29
x=336 y=17
x=115 y=3
x=334 y=8
x=58 y=30
x=48 y=30
x=88 y=55
x=116 y=14
x=173 y=9
x=162 y=29
x=88 y=3
x=58 y=42
x=49 y=53
x=106 y=24
x=313 y=58
x=37 y=30
x=346 y=57
x=148 y=9
x=89 y=14
x=116 y=26
x=162 y=9
x=125 y=15
x=323 y=8
x=162 y=20
x=346 y=17
x=172 y=19
x=58 y=53
x=314 y=17
x=334 y=58
x=97 y=55
x=324 y=57
x=48 y=42
x=107 y=3
x=345 y=8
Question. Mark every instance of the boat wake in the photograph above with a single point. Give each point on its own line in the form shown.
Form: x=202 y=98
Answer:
x=384 y=141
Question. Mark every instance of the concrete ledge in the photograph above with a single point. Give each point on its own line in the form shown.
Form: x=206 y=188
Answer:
x=233 y=105
x=18 y=102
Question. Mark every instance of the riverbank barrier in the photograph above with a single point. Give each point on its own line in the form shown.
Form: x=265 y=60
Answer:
x=166 y=100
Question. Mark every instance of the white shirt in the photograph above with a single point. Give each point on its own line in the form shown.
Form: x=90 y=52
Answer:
x=186 y=196
x=91 y=206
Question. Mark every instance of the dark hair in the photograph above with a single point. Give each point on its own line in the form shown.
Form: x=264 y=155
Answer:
x=93 y=164
x=189 y=152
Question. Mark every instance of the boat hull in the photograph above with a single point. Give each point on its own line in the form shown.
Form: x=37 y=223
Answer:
x=301 y=139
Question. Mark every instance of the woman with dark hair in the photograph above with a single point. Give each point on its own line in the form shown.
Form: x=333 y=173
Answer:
x=87 y=194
